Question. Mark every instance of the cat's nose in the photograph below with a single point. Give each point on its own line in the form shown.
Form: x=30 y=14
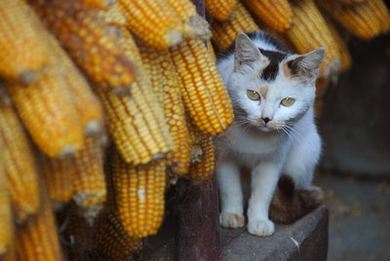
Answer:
x=266 y=120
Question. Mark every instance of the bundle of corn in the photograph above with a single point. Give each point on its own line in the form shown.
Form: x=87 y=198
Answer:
x=276 y=14
x=221 y=10
x=225 y=33
x=364 y=20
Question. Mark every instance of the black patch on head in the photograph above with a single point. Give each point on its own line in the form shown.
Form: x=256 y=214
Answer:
x=271 y=71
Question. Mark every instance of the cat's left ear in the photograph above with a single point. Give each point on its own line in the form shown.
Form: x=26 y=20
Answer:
x=305 y=67
x=246 y=53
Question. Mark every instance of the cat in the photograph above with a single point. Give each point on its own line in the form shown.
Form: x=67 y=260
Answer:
x=272 y=92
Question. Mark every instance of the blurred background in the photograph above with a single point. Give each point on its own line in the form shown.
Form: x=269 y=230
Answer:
x=355 y=169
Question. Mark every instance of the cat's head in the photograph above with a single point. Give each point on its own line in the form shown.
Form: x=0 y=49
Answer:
x=271 y=90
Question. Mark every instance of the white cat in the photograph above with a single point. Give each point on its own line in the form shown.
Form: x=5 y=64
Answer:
x=274 y=132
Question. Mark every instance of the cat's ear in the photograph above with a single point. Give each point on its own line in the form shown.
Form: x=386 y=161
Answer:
x=305 y=67
x=246 y=53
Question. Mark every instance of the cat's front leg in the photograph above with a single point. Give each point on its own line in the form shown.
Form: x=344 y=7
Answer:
x=229 y=183
x=264 y=180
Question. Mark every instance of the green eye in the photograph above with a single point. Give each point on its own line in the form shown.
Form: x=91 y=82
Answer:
x=287 y=101
x=253 y=95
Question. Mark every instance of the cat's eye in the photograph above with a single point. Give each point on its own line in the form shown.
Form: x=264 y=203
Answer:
x=287 y=101
x=253 y=95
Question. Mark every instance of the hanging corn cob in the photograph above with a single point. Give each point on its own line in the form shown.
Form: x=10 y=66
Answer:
x=6 y=223
x=88 y=179
x=48 y=113
x=203 y=156
x=154 y=22
x=139 y=195
x=193 y=25
x=137 y=124
x=158 y=65
x=89 y=41
x=23 y=49
x=203 y=92
x=18 y=163
x=309 y=31
x=85 y=101
x=365 y=20
x=114 y=15
x=276 y=14
x=99 y=4
x=112 y=240
x=221 y=10
x=38 y=239
x=225 y=33
x=58 y=180
x=351 y=2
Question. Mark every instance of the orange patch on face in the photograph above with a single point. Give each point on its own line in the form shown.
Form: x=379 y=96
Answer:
x=264 y=90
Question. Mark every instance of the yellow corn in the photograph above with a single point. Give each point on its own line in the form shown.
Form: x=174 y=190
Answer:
x=38 y=239
x=114 y=15
x=212 y=54
x=362 y=20
x=152 y=21
x=88 y=178
x=345 y=56
x=221 y=10
x=90 y=42
x=6 y=223
x=18 y=163
x=112 y=240
x=23 y=50
x=276 y=14
x=380 y=9
x=136 y=123
x=58 y=180
x=158 y=65
x=194 y=26
x=99 y=4
x=86 y=103
x=204 y=95
x=225 y=33
x=309 y=31
x=139 y=195
x=48 y=113
x=203 y=156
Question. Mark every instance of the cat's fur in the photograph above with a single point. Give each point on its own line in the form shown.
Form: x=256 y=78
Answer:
x=289 y=143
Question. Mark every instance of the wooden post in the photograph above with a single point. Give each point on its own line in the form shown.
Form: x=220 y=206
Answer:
x=197 y=237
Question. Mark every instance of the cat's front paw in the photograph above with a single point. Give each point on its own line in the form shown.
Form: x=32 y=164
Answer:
x=231 y=220
x=261 y=227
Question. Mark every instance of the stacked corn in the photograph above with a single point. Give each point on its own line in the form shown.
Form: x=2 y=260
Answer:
x=143 y=70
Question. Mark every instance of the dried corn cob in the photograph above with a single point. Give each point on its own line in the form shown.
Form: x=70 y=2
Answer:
x=23 y=50
x=88 y=179
x=351 y=2
x=87 y=104
x=380 y=9
x=221 y=10
x=225 y=33
x=345 y=56
x=362 y=20
x=99 y=4
x=112 y=241
x=6 y=224
x=58 y=180
x=154 y=22
x=203 y=156
x=139 y=195
x=204 y=95
x=48 y=113
x=212 y=54
x=38 y=239
x=114 y=15
x=18 y=163
x=89 y=41
x=136 y=123
x=309 y=31
x=277 y=14
x=158 y=65
x=194 y=26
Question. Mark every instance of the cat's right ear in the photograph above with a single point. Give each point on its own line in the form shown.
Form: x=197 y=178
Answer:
x=246 y=53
